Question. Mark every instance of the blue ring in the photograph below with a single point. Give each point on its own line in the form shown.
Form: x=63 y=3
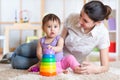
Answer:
x=48 y=56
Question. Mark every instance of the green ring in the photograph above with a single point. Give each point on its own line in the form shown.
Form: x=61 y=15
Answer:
x=48 y=60
x=48 y=64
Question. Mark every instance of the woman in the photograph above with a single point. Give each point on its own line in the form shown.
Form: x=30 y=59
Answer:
x=85 y=31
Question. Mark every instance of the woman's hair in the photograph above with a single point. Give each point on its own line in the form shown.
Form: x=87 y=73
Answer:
x=97 y=11
x=50 y=17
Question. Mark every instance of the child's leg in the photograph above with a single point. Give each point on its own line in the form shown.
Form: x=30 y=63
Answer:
x=70 y=61
x=60 y=69
x=65 y=71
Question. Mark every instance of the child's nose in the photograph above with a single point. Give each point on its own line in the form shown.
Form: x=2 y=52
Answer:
x=52 y=28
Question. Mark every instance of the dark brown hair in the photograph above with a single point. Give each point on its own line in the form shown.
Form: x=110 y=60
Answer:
x=97 y=11
x=49 y=17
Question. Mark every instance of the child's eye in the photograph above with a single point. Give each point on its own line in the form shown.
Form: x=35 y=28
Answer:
x=49 y=26
x=55 y=26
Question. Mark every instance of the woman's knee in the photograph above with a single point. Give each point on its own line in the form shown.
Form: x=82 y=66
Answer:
x=20 y=62
x=27 y=50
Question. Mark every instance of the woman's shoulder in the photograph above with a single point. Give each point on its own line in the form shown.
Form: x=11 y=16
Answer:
x=103 y=27
x=72 y=20
x=73 y=15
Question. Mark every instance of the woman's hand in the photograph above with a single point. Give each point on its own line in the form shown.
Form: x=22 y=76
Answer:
x=89 y=68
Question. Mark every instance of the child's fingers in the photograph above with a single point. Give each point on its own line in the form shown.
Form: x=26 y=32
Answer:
x=49 y=47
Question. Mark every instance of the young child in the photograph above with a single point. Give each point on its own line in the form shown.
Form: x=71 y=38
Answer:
x=51 y=26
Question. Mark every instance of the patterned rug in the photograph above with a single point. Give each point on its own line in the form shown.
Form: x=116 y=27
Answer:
x=7 y=73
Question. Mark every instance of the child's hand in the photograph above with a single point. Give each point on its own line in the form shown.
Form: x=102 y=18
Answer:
x=50 y=47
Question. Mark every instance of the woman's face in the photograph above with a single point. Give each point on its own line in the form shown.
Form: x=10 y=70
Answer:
x=85 y=21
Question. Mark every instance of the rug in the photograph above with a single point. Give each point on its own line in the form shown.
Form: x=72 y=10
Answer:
x=7 y=73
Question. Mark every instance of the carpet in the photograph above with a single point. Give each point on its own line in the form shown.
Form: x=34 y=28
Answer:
x=7 y=73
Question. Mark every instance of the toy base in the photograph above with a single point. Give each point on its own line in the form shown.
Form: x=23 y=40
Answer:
x=48 y=74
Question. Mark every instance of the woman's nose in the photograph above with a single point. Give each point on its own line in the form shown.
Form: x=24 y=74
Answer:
x=80 y=21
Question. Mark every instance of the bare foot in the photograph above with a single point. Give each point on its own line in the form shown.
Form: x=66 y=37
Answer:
x=65 y=71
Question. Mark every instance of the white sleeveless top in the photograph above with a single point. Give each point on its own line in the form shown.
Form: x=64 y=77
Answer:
x=79 y=44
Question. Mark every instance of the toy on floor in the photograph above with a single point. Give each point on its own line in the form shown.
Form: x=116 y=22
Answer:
x=35 y=69
x=48 y=63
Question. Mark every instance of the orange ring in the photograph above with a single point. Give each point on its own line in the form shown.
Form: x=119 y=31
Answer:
x=48 y=74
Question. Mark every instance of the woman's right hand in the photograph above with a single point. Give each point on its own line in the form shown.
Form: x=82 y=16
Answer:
x=87 y=68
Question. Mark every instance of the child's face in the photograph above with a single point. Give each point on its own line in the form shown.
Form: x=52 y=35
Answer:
x=51 y=28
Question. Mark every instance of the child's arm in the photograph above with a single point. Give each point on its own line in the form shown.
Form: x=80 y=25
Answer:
x=59 y=46
x=39 y=50
x=39 y=55
x=64 y=33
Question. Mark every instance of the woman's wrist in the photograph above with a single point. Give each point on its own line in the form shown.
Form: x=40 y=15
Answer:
x=101 y=69
x=98 y=70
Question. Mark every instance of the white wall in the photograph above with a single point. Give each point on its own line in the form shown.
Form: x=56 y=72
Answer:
x=61 y=8
x=8 y=10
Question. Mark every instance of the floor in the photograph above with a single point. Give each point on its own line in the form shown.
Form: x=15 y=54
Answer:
x=16 y=74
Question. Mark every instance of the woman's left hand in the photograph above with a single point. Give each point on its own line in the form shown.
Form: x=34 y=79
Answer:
x=89 y=68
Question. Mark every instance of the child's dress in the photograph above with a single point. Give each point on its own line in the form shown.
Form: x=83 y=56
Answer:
x=62 y=63
x=58 y=55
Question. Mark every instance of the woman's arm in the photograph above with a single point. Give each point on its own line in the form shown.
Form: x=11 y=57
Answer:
x=90 y=68
x=104 y=59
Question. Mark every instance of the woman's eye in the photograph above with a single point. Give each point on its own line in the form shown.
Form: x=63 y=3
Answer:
x=85 y=21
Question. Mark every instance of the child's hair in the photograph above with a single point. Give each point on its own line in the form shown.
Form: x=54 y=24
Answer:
x=50 y=17
x=97 y=11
